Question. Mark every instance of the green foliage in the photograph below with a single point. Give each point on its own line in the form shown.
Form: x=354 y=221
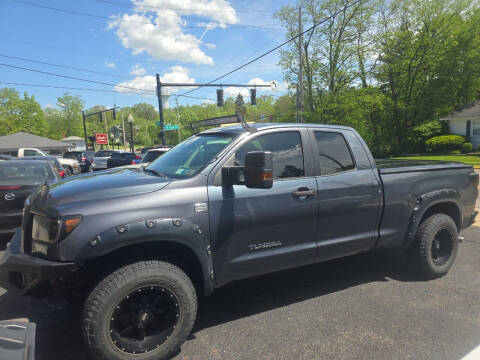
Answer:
x=445 y=143
x=71 y=107
x=467 y=148
x=20 y=114
x=455 y=152
x=417 y=135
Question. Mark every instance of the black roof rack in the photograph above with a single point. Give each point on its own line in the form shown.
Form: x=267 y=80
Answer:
x=221 y=120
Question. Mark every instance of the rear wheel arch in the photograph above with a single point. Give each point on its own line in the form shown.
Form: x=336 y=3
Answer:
x=436 y=202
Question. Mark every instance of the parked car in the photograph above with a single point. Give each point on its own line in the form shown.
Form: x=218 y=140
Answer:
x=18 y=179
x=100 y=158
x=71 y=166
x=144 y=150
x=153 y=154
x=84 y=158
x=6 y=157
x=122 y=159
x=54 y=160
x=140 y=247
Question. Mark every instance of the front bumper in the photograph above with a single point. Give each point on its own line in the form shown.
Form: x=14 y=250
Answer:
x=25 y=273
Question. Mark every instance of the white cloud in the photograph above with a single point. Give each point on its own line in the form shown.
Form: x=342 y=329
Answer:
x=138 y=70
x=156 y=28
x=109 y=64
x=210 y=45
x=178 y=74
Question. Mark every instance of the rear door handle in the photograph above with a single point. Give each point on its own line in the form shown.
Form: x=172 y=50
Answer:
x=304 y=192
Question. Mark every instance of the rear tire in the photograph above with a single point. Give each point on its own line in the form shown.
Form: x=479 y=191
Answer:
x=142 y=311
x=68 y=171
x=435 y=247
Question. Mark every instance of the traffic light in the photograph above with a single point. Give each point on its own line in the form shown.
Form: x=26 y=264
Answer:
x=219 y=97
x=253 y=96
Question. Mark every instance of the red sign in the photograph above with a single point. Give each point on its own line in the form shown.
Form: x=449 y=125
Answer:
x=101 y=139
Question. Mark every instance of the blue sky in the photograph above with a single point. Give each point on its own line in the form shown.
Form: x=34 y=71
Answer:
x=134 y=40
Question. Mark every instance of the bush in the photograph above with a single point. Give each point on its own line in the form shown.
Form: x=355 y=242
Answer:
x=455 y=152
x=445 y=143
x=467 y=148
x=417 y=135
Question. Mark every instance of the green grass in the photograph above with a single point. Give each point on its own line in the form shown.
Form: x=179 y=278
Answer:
x=470 y=160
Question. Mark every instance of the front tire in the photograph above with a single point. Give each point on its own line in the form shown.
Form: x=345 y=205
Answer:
x=435 y=246
x=142 y=311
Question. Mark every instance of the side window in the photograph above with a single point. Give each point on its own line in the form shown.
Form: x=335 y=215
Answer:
x=286 y=148
x=334 y=155
x=27 y=152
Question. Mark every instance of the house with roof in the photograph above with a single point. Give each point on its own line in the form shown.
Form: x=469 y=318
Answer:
x=9 y=144
x=466 y=122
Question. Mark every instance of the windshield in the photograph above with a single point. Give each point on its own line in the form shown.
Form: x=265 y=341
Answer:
x=191 y=156
x=20 y=174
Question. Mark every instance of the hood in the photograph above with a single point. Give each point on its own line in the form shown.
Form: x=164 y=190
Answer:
x=101 y=186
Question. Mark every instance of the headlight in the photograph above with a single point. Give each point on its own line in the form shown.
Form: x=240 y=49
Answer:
x=53 y=230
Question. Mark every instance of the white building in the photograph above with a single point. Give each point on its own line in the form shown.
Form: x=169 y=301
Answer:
x=74 y=142
x=466 y=122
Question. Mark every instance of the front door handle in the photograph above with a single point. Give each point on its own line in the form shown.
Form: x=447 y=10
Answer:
x=304 y=192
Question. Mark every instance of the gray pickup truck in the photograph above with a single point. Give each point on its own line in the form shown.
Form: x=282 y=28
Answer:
x=138 y=247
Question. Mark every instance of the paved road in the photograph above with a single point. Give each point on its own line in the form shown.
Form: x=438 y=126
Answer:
x=362 y=307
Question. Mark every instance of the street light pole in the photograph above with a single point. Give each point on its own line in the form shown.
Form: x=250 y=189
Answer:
x=85 y=130
x=160 y=108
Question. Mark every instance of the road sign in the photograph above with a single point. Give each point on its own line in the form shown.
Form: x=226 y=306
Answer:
x=101 y=139
x=171 y=127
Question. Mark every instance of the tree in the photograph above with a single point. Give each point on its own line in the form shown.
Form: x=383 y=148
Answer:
x=71 y=107
x=17 y=114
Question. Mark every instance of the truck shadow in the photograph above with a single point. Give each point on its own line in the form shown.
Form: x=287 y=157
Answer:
x=58 y=323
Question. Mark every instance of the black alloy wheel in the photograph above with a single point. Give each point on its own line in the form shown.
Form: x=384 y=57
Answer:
x=144 y=319
x=442 y=247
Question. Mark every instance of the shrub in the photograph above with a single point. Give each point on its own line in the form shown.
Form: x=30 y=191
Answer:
x=445 y=143
x=417 y=135
x=467 y=148
x=455 y=152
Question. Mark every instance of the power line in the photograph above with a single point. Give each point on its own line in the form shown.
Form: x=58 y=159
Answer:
x=75 y=78
x=68 y=11
x=186 y=9
x=63 y=66
x=278 y=46
x=69 y=88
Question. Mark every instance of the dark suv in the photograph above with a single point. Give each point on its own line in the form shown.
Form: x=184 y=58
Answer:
x=84 y=158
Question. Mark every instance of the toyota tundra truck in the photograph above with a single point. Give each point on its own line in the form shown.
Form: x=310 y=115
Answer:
x=138 y=247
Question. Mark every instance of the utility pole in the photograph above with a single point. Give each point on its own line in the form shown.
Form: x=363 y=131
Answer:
x=124 y=137
x=160 y=108
x=85 y=130
x=300 y=107
x=106 y=129
x=178 y=121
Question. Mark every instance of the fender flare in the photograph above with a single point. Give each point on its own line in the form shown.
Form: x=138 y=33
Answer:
x=424 y=203
x=173 y=230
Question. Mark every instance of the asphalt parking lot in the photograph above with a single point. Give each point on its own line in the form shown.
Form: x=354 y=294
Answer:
x=362 y=307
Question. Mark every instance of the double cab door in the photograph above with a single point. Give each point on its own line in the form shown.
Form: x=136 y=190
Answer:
x=305 y=217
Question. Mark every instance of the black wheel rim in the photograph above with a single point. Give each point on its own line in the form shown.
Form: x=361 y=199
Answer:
x=442 y=247
x=144 y=319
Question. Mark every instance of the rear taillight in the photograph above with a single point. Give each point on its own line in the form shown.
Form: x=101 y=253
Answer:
x=61 y=173
x=138 y=157
x=133 y=162
x=11 y=187
x=84 y=159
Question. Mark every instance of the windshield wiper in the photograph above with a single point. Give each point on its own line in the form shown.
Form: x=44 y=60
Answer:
x=156 y=172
